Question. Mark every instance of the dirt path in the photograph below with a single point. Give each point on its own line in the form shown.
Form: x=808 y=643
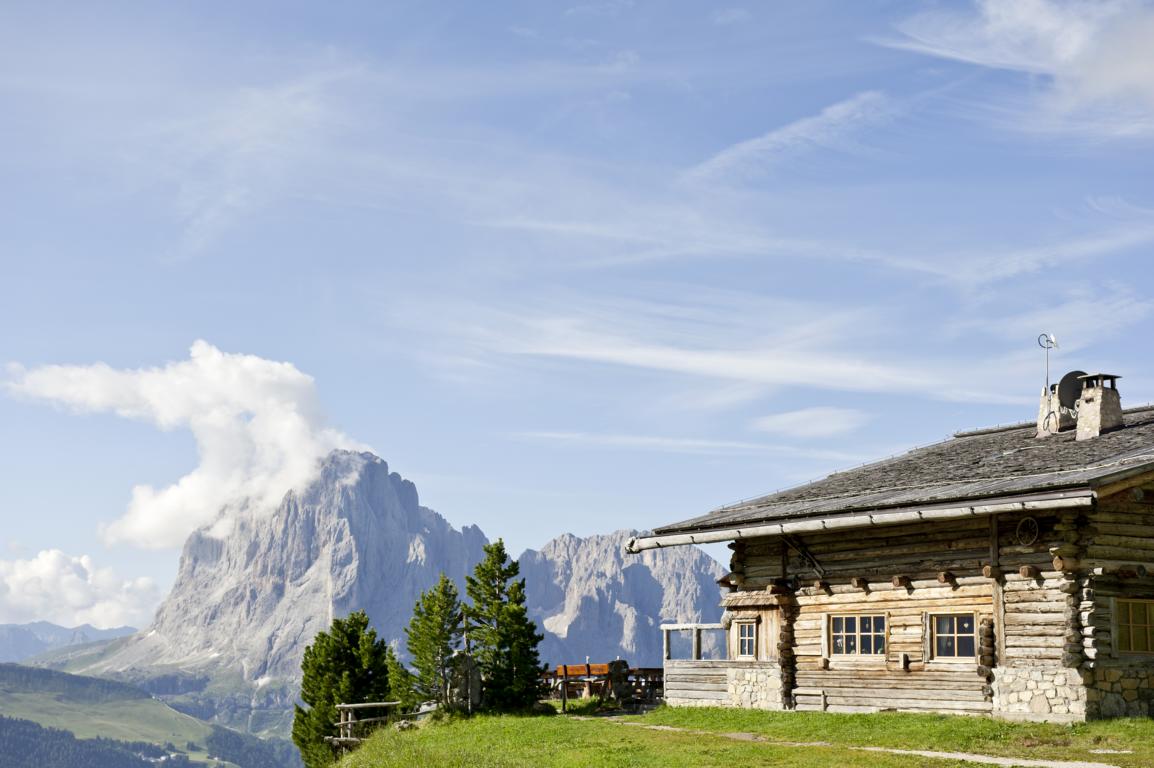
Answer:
x=1006 y=762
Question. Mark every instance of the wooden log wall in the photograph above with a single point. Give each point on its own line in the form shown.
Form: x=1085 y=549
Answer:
x=758 y=563
x=1117 y=539
x=1029 y=612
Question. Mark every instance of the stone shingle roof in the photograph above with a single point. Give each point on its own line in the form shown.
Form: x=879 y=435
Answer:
x=983 y=464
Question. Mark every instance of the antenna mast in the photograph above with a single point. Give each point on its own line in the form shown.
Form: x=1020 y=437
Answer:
x=1047 y=342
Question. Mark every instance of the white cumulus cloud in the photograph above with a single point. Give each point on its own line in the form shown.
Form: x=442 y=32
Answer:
x=257 y=424
x=67 y=590
x=822 y=421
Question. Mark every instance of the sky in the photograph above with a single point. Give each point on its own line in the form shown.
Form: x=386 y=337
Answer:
x=569 y=267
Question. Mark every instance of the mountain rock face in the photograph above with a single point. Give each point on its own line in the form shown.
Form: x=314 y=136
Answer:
x=594 y=600
x=22 y=641
x=227 y=642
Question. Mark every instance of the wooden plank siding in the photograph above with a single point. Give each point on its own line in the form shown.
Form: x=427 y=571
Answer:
x=701 y=682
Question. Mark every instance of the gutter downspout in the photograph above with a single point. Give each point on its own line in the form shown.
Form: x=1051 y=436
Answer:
x=861 y=520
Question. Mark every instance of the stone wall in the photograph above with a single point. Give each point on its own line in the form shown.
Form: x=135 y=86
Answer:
x=755 y=685
x=1040 y=692
x=1121 y=691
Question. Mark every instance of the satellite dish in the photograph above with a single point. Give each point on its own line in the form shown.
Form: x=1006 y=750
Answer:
x=1070 y=389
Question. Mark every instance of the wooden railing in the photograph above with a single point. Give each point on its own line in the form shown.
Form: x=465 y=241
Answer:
x=696 y=629
x=346 y=727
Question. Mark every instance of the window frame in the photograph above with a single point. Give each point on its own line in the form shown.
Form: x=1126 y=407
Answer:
x=741 y=627
x=1118 y=626
x=932 y=637
x=857 y=657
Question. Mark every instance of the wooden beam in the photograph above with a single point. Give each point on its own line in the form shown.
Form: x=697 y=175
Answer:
x=901 y=581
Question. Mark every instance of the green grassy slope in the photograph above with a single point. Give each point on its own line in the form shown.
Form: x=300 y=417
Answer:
x=89 y=707
x=1127 y=742
x=704 y=737
x=140 y=720
x=564 y=742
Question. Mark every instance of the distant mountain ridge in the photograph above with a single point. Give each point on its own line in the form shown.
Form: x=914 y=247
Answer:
x=23 y=641
x=228 y=640
x=593 y=599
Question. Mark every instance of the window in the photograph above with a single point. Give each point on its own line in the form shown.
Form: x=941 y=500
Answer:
x=953 y=636
x=857 y=635
x=747 y=640
x=1135 y=622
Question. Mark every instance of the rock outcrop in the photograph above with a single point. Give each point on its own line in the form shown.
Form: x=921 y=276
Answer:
x=228 y=640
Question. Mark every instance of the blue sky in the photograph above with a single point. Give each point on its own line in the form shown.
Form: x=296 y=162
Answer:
x=569 y=267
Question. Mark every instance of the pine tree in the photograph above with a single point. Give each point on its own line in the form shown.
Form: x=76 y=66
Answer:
x=347 y=664
x=434 y=633
x=503 y=638
x=402 y=685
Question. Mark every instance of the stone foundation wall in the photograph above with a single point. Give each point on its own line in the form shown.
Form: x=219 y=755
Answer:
x=1121 y=691
x=1040 y=692
x=755 y=686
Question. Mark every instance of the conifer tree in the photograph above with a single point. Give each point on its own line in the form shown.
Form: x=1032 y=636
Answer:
x=434 y=634
x=503 y=638
x=348 y=665
x=402 y=685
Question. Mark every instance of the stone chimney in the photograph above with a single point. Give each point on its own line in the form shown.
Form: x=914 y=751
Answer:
x=1052 y=416
x=1099 y=407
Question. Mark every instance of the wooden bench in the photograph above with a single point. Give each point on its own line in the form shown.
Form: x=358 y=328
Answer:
x=588 y=680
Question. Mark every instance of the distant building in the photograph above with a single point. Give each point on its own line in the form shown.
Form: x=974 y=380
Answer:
x=1006 y=571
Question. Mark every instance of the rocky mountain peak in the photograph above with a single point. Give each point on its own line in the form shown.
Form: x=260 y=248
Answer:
x=245 y=606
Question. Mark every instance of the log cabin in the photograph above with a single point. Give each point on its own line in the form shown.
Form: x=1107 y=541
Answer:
x=1006 y=571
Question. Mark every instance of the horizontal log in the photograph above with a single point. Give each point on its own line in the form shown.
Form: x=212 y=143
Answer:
x=970 y=687
x=1121 y=529
x=721 y=698
x=684 y=690
x=1138 y=542
x=845 y=695
x=687 y=679
x=899 y=703
x=1052 y=603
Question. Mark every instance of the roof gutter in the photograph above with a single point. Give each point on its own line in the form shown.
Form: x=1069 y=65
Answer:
x=1065 y=500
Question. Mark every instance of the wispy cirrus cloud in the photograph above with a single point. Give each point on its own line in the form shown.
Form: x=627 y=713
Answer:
x=816 y=422
x=1081 y=316
x=973 y=269
x=829 y=129
x=730 y=339
x=1094 y=58
x=682 y=445
x=724 y=17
